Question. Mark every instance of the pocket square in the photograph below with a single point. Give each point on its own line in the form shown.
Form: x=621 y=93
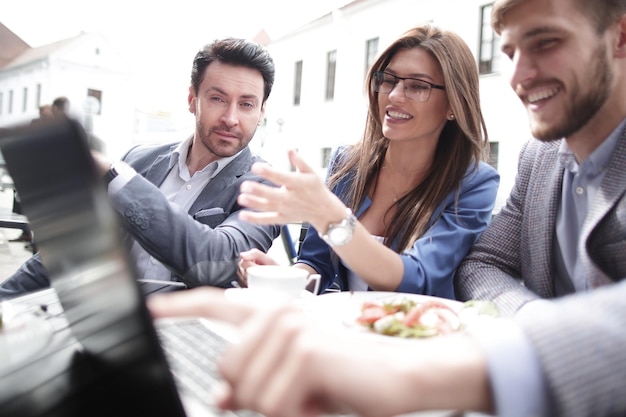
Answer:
x=208 y=212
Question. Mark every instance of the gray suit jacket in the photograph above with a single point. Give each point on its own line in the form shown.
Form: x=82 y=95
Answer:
x=579 y=339
x=200 y=247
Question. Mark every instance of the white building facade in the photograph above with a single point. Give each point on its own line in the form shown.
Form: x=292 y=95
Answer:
x=89 y=72
x=319 y=101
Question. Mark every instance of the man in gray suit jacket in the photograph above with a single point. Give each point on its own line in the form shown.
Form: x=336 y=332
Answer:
x=178 y=202
x=553 y=260
x=562 y=233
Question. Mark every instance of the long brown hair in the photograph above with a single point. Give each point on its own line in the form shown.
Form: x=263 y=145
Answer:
x=462 y=142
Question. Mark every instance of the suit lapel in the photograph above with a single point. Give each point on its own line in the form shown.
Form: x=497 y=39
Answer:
x=226 y=177
x=611 y=189
x=160 y=168
x=543 y=218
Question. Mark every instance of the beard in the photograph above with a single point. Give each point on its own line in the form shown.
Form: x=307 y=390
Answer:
x=584 y=105
x=218 y=147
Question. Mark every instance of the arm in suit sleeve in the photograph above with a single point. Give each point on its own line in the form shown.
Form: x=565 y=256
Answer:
x=202 y=249
x=30 y=276
x=492 y=269
x=579 y=340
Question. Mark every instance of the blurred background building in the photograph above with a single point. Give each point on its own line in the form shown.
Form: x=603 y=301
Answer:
x=86 y=69
x=318 y=101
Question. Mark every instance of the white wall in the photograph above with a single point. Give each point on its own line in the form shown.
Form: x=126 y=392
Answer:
x=317 y=123
x=87 y=62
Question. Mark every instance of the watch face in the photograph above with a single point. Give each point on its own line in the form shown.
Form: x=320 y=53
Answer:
x=338 y=235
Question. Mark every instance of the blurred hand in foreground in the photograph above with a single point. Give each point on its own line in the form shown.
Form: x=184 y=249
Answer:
x=288 y=364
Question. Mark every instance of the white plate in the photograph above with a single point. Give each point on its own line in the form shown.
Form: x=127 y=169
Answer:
x=343 y=308
x=23 y=335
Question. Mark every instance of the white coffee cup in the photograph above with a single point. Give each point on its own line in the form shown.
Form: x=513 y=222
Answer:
x=285 y=279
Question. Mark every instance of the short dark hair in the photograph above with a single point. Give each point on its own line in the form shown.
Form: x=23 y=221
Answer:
x=61 y=103
x=238 y=52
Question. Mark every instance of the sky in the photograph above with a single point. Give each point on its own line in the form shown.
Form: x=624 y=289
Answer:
x=158 y=38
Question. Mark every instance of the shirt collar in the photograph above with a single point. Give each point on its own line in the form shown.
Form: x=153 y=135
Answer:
x=598 y=160
x=601 y=157
x=179 y=156
x=566 y=156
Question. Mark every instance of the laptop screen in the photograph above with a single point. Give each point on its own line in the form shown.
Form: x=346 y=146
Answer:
x=80 y=245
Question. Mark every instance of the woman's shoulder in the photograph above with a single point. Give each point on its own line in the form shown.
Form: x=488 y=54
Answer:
x=341 y=151
x=480 y=173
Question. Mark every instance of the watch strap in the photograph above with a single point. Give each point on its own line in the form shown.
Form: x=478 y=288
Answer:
x=110 y=175
x=346 y=226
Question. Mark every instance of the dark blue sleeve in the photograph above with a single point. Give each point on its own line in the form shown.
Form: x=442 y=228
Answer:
x=429 y=266
x=31 y=276
x=315 y=252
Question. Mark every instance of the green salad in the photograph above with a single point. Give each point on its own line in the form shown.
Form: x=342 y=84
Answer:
x=407 y=318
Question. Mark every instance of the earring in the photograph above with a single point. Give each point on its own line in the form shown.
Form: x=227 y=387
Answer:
x=451 y=117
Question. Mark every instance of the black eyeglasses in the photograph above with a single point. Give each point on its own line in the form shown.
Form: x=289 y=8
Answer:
x=418 y=90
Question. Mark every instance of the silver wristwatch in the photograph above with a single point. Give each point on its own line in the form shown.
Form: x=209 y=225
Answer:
x=339 y=234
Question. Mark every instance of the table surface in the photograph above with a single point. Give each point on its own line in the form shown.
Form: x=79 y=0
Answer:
x=42 y=385
x=12 y=220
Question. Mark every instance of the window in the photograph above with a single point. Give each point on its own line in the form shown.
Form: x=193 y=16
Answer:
x=489 y=54
x=297 y=86
x=371 y=52
x=25 y=100
x=1 y=102
x=325 y=157
x=38 y=96
x=493 y=154
x=94 y=101
x=10 y=106
x=331 y=64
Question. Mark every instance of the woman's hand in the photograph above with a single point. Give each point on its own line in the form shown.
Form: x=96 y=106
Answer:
x=300 y=196
x=250 y=258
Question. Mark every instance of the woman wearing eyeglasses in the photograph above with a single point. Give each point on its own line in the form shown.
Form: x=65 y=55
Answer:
x=404 y=205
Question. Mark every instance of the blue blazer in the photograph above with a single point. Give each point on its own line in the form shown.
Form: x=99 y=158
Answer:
x=429 y=266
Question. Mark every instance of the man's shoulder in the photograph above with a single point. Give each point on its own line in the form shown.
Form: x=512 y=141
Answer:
x=150 y=149
x=247 y=154
x=480 y=173
x=535 y=148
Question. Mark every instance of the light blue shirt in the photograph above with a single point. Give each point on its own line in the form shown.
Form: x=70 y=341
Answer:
x=580 y=185
x=516 y=374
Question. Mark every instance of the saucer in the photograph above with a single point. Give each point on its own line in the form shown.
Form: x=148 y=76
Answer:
x=264 y=298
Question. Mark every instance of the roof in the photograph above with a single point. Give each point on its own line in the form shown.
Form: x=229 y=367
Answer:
x=11 y=47
x=35 y=54
x=346 y=6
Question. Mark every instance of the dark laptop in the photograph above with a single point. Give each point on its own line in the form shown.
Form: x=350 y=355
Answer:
x=111 y=360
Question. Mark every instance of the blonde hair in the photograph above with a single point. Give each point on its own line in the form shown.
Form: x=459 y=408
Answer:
x=463 y=142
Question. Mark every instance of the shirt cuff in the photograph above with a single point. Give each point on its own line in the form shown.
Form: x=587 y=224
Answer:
x=519 y=388
x=124 y=174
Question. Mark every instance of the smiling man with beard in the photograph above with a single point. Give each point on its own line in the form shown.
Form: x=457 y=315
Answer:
x=178 y=202
x=562 y=234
